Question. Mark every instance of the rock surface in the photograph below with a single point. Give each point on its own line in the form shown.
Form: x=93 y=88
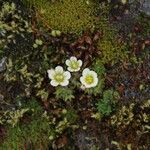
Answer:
x=2 y=64
x=146 y=7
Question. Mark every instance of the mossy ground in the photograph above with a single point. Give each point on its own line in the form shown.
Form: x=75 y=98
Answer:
x=35 y=115
x=112 y=47
x=68 y=16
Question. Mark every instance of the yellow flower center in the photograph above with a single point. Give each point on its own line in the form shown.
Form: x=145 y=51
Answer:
x=89 y=79
x=74 y=65
x=59 y=77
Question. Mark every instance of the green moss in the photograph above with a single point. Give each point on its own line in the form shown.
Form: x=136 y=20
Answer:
x=112 y=50
x=106 y=104
x=64 y=93
x=68 y=16
x=32 y=133
x=71 y=115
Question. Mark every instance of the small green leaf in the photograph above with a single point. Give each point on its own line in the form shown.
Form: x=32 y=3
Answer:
x=38 y=42
x=64 y=93
x=35 y=45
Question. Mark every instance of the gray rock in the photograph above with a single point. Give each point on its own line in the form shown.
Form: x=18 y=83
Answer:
x=3 y=64
x=146 y=7
x=1 y=97
x=140 y=6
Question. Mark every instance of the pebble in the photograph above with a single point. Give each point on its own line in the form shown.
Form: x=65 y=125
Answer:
x=2 y=64
x=1 y=97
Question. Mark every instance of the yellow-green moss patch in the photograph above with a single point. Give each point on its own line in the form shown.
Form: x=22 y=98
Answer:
x=68 y=16
x=112 y=49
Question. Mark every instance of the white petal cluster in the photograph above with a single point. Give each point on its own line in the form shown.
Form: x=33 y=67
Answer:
x=73 y=64
x=89 y=78
x=58 y=76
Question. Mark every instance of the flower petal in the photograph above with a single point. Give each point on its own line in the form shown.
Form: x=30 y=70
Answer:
x=73 y=70
x=73 y=58
x=95 y=82
x=54 y=83
x=70 y=69
x=80 y=62
x=81 y=79
x=85 y=71
x=59 y=69
x=65 y=83
x=77 y=69
x=67 y=62
x=84 y=83
x=51 y=73
x=67 y=74
x=88 y=86
x=93 y=73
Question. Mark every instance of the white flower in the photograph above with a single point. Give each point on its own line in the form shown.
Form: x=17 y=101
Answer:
x=58 y=76
x=73 y=64
x=89 y=78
